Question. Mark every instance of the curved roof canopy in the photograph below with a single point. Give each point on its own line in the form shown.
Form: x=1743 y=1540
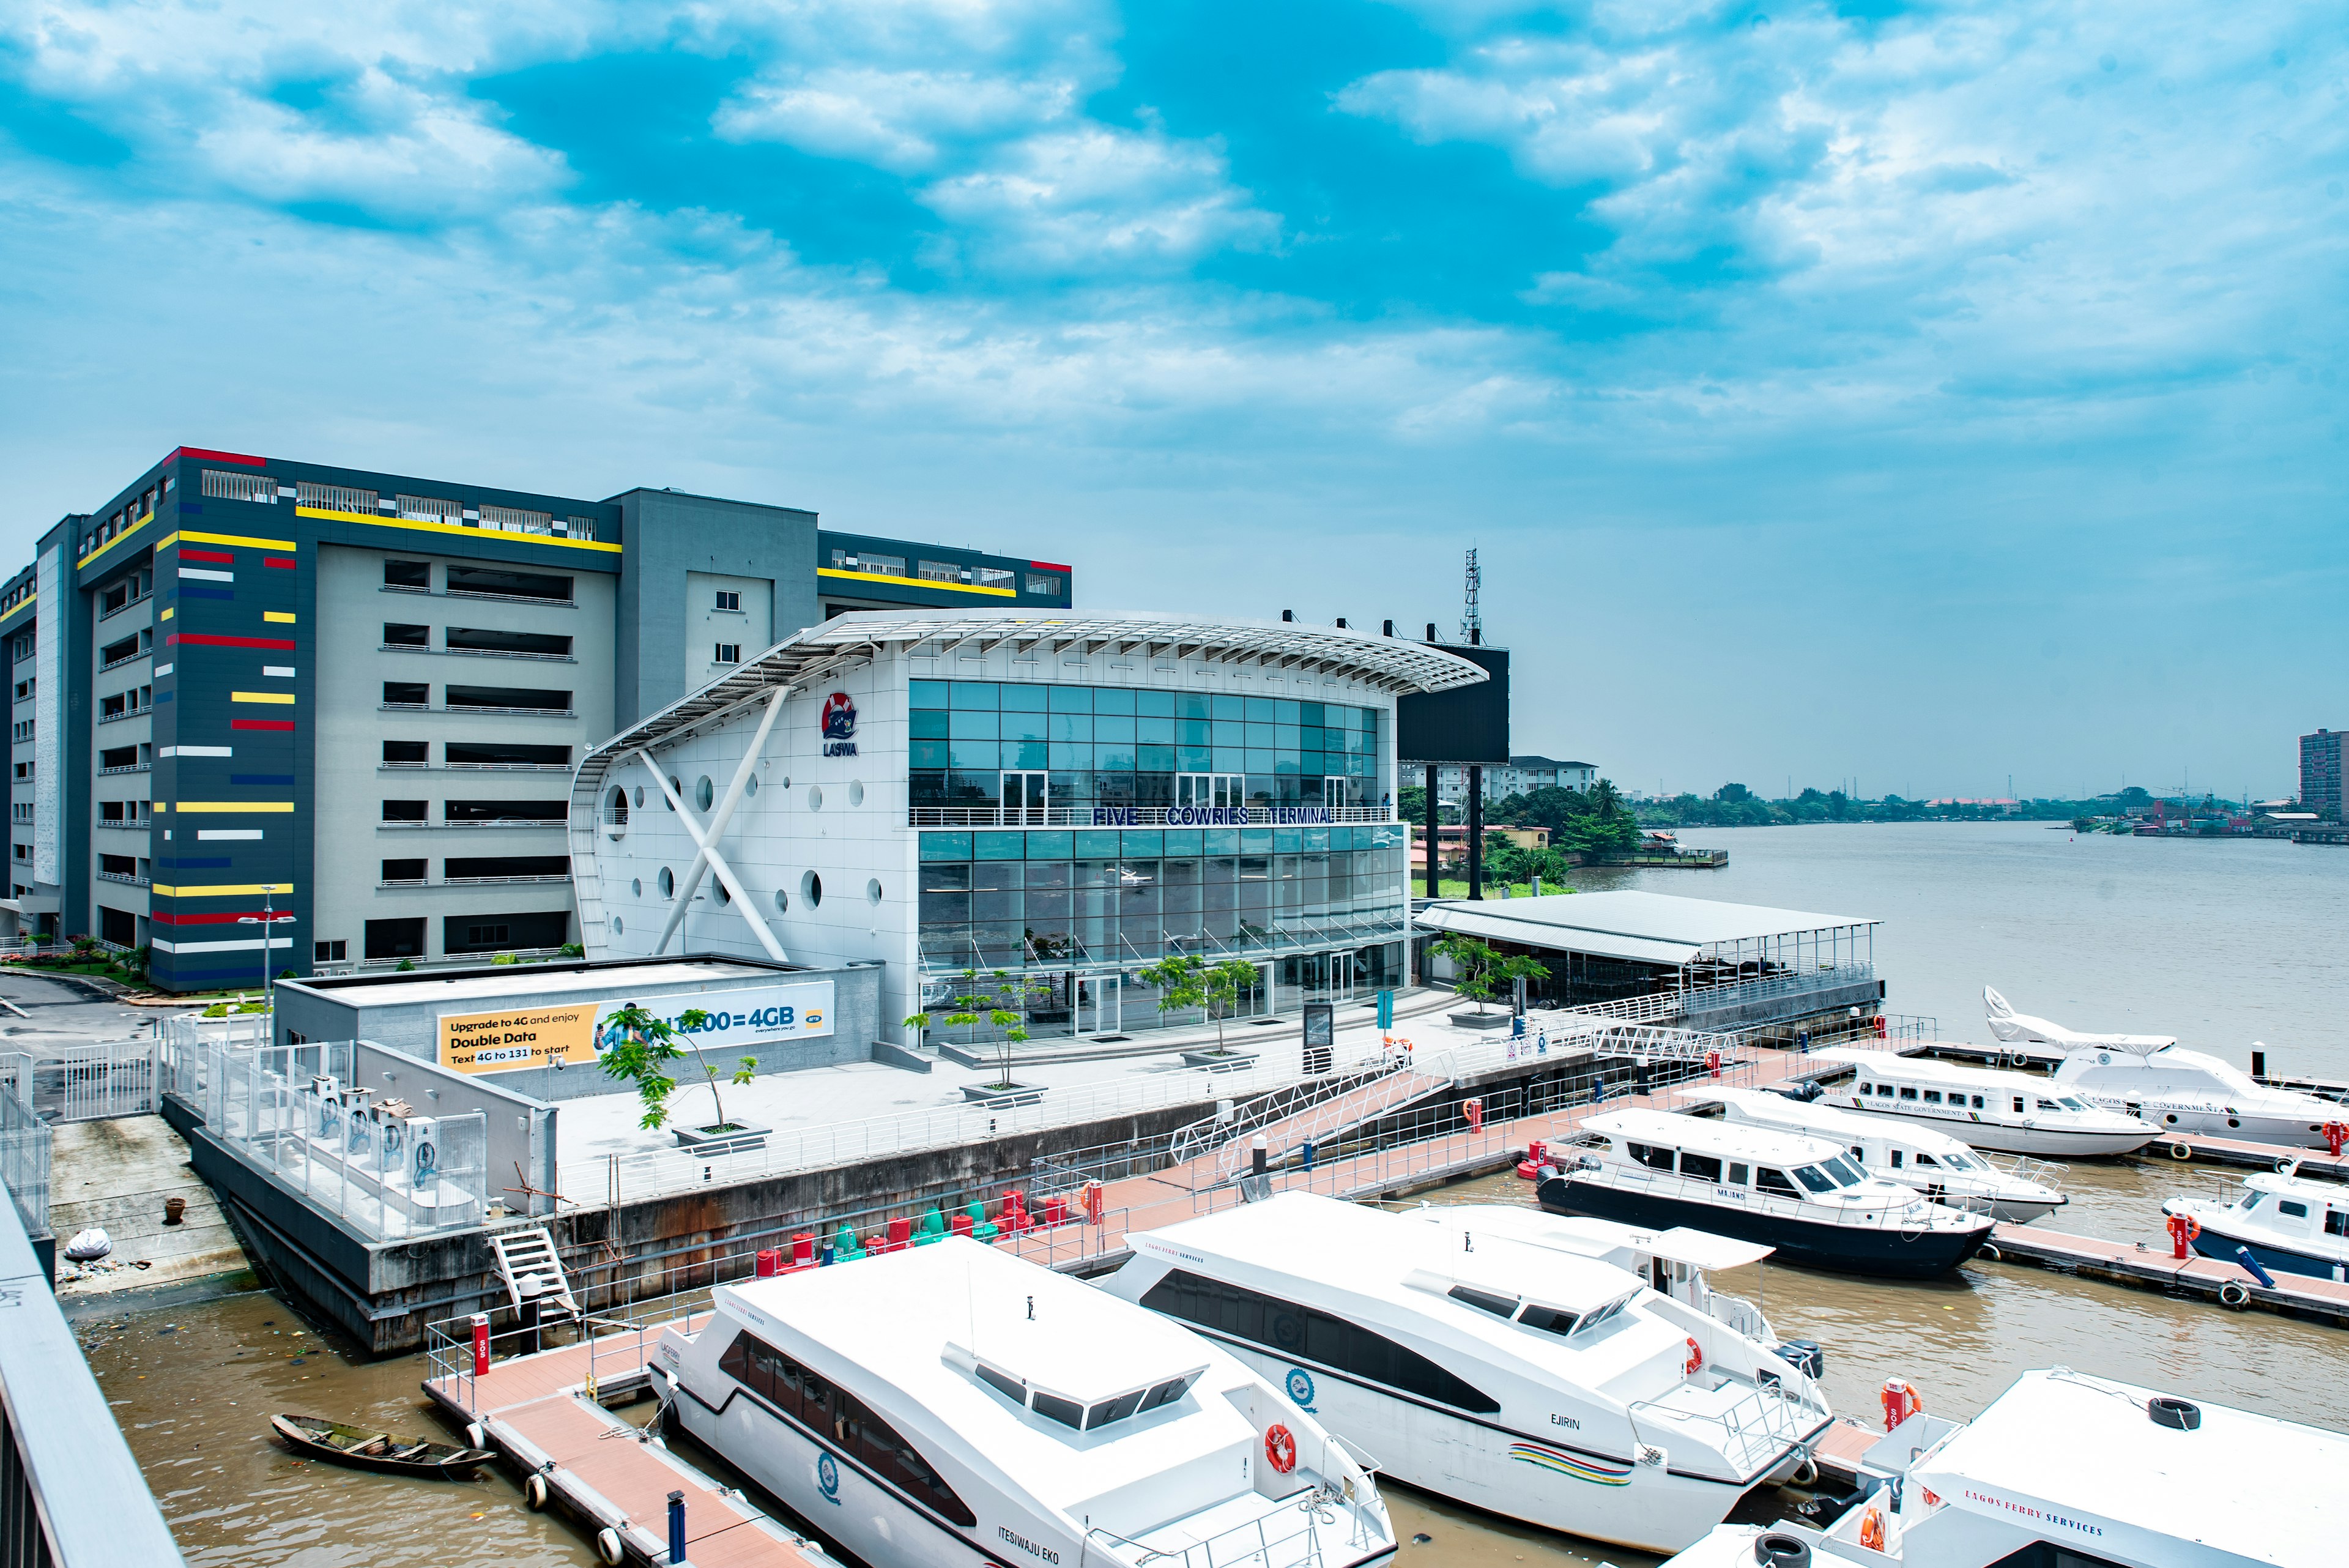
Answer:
x=1393 y=664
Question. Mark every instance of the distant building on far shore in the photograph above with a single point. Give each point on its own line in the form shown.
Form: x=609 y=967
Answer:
x=1523 y=775
x=2320 y=774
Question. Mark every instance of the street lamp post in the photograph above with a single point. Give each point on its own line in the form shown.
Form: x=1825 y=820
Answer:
x=268 y=918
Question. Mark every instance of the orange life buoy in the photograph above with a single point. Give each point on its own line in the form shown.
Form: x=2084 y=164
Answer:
x=1695 y=1362
x=1279 y=1447
x=1901 y=1401
x=1871 y=1528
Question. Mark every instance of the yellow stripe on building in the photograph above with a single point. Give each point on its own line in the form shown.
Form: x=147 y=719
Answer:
x=246 y=540
x=261 y=697
x=225 y=891
x=118 y=539
x=167 y=615
x=232 y=806
x=21 y=606
x=916 y=582
x=283 y=617
x=413 y=527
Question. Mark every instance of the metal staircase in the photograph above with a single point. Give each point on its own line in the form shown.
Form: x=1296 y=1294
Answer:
x=528 y=1253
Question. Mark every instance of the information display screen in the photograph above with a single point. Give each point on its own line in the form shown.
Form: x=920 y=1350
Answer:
x=1467 y=724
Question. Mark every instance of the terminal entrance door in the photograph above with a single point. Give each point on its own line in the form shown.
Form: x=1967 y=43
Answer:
x=1100 y=1006
x=1023 y=799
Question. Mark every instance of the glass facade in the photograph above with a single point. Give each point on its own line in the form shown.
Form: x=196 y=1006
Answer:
x=995 y=745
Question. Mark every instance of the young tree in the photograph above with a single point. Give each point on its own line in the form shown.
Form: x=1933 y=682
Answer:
x=639 y=1044
x=1473 y=963
x=1186 y=980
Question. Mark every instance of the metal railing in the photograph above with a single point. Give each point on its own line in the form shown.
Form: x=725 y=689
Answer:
x=1210 y=1134
x=1754 y=1430
x=94 y=1083
x=1147 y=816
x=287 y=1110
x=71 y=1495
x=25 y=1141
x=1673 y=1003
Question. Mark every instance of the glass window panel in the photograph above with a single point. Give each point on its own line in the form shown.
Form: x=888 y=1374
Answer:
x=929 y=753
x=1026 y=754
x=1070 y=698
x=1113 y=756
x=1261 y=759
x=1287 y=710
x=1154 y=704
x=1131 y=842
x=1070 y=756
x=1194 y=758
x=1108 y=700
x=945 y=908
x=928 y=694
x=1184 y=840
x=1024 y=726
x=1288 y=737
x=1152 y=759
x=973 y=726
x=1113 y=727
x=1085 y=873
x=1260 y=710
x=1093 y=844
x=1223 y=840
x=1256 y=840
x=1258 y=736
x=1069 y=727
x=926 y=724
x=983 y=787
x=1052 y=846
x=1020 y=698
x=1223 y=707
x=1000 y=846
x=946 y=847
x=1315 y=840
x=1190 y=704
x=975 y=756
x=1046 y=874
x=1227 y=733
x=997 y=904
x=1154 y=731
x=974 y=694
x=1192 y=732
x=951 y=876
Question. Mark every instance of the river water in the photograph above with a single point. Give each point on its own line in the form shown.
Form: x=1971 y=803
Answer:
x=2218 y=943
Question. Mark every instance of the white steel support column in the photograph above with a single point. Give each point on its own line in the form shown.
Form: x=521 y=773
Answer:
x=706 y=855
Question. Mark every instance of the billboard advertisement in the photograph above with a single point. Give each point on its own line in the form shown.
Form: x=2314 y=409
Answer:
x=575 y=1032
x=1468 y=724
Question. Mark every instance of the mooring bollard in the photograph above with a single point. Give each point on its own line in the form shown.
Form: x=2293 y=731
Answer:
x=1261 y=1156
x=677 y=1527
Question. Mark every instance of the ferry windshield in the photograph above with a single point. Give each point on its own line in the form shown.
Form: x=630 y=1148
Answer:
x=2073 y=1104
x=1959 y=1159
x=1845 y=1173
x=1813 y=1178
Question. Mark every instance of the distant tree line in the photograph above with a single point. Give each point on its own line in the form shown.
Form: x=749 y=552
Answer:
x=1735 y=806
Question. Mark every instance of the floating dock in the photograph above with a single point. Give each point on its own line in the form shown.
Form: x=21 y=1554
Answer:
x=540 y=1412
x=2132 y=1263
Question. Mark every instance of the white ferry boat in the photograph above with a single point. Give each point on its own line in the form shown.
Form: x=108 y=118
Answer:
x=2152 y=1077
x=1988 y=1107
x=1912 y=1155
x=1798 y=1194
x=2064 y=1470
x=1678 y=1262
x=952 y=1405
x=1524 y=1380
x=2290 y=1224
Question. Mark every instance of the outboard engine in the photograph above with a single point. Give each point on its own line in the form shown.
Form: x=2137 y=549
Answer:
x=1806 y=1356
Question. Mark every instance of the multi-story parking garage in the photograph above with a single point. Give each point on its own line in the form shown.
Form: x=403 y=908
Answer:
x=1064 y=799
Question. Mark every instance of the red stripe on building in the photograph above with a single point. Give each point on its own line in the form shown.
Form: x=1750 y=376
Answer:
x=210 y=456
x=261 y=724
x=282 y=563
x=189 y=555
x=165 y=918
x=1049 y=566
x=206 y=639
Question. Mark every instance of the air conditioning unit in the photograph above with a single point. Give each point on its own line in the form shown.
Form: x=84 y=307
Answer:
x=419 y=1154
x=327 y=1118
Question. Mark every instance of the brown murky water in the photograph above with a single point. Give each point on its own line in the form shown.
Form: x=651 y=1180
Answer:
x=2217 y=942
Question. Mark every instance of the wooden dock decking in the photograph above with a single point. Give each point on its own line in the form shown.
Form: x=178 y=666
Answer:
x=2297 y=1295
x=534 y=1410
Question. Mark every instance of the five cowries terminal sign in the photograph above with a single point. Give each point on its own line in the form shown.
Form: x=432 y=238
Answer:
x=578 y=1032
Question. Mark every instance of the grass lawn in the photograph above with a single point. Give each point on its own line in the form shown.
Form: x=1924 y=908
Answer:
x=1459 y=889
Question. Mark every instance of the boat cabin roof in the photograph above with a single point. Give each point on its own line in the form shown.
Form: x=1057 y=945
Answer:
x=2082 y=1459
x=1813 y=1115
x=1594 y=1238
x=2301 y=1186
x=1733 y=1140
x=1932 y=1070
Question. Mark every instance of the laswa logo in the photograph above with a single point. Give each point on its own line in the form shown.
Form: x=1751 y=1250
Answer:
x=1300 y=1388
x=839 y=725
x=827 y=1477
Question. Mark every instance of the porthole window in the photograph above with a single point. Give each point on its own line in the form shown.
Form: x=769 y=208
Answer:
x=815 y=797
x=812 y=889
x=703 y=794
x=675 y=789
x=783 y=782
x=636 y=887
x=750 y=784
x=668 y=884
x=872 y=891
x=783 y=902
x=856 y=791
x=725 y=895
x=617 y=927
x=640 y=794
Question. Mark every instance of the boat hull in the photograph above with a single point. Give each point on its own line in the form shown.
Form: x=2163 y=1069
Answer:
x=2290 y=1131
x=1538 y=1481
x=447 y=1463
x=1841 y=1249
x=2006 y=1210
x=2274 y=1256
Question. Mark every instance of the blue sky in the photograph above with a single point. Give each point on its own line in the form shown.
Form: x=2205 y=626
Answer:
x=1914 y=395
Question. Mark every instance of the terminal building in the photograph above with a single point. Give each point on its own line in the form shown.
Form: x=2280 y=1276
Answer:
x=1032 y=808
x=352 y=701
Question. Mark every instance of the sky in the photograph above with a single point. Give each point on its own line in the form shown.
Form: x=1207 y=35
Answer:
x=1904 y=398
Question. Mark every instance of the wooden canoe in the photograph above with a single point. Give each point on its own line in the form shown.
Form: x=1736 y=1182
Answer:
x=314 y=1436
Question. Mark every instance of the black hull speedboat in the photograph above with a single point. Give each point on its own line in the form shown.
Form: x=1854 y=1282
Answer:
x=1885 y=1252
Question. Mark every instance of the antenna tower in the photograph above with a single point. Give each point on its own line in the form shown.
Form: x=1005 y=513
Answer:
x=1472 y=620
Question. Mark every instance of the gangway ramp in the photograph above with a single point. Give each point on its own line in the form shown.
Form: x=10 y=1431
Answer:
x=527 y=1253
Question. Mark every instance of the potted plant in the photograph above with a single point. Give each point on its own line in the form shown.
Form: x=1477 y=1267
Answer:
x=639 y=1044
x=988 y=1007
x=1186 y=980
x=1475 y=967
